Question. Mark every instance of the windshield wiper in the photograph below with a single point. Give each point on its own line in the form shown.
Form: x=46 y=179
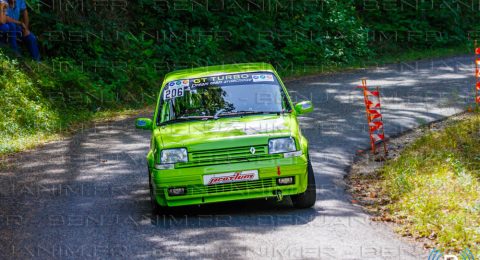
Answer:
x=196 y=117
x=241 y=113
x=218 y=113
x=186 y=118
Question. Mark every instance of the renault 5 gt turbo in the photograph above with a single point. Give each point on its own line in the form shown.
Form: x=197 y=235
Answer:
x=224 y=133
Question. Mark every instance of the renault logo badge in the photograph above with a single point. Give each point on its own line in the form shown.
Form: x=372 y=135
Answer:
x=252 y=150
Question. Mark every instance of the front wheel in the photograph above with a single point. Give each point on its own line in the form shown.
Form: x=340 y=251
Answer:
x=308 y=198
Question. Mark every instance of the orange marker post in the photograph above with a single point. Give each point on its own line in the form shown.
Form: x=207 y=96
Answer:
x=374 y=117
x=477 y=74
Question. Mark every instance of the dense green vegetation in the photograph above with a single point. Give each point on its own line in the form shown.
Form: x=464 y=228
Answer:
x=434 y=187
x=108 y=55
x=419 y=24
x=24 y=109
x=37 y=101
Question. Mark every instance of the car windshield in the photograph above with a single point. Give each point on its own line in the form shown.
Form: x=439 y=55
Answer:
x=219 y=96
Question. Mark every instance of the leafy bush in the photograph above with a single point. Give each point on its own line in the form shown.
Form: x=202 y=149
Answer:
x=397 y=25
x=21 y=100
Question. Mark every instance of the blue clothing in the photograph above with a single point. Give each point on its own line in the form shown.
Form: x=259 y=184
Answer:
x=11 y=32
x=4 y=29
x=7 y=32
x=32 y=46
x=14 y=12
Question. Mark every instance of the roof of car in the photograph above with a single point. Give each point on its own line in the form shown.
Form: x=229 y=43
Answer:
x=216 y=70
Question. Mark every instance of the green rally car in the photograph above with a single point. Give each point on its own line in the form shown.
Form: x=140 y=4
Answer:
x=224 y=133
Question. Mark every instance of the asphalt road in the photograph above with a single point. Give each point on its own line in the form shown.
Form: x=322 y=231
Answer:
x=87 y=196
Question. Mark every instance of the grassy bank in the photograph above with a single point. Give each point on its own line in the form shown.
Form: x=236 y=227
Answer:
x=432 y=188
x=40 y=103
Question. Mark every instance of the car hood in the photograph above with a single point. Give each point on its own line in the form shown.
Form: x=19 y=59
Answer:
x=226 y=132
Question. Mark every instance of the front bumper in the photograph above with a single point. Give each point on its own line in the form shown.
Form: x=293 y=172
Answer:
x=198 y=193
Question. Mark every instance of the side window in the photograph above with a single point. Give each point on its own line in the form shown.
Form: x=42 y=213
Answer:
x=285 y=102
x=165 y=111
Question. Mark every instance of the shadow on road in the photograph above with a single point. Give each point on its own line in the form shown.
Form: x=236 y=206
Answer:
x=88 y=196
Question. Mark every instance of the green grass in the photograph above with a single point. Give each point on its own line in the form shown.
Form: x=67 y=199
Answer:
x=435 y=187
x=28 y=117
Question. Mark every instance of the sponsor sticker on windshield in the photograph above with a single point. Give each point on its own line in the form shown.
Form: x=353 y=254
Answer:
x=262 y=78
x=176 y=89
x=233 y=79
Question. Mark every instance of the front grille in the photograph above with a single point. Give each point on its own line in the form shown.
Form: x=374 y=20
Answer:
x=227 y=187
x=227 y=155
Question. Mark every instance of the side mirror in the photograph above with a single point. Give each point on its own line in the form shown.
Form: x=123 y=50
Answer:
x=143 y=123
x=304 y=107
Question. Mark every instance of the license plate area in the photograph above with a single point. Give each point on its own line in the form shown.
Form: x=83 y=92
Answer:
x=229 y=177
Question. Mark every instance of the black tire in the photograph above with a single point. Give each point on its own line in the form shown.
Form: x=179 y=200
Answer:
x=156 y=209
x=309 y=197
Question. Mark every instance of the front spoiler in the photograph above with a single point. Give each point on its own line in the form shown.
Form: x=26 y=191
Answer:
x=197 y=193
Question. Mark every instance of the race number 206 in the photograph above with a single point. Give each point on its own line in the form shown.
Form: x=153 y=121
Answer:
x=173 y=92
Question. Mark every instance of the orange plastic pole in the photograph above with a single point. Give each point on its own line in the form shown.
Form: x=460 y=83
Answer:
x=477 y=80
x=371 y=116
x=383 y=125
x=365 y=99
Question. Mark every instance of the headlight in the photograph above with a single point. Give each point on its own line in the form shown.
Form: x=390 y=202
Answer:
x=281 y=145
x=174 y=156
